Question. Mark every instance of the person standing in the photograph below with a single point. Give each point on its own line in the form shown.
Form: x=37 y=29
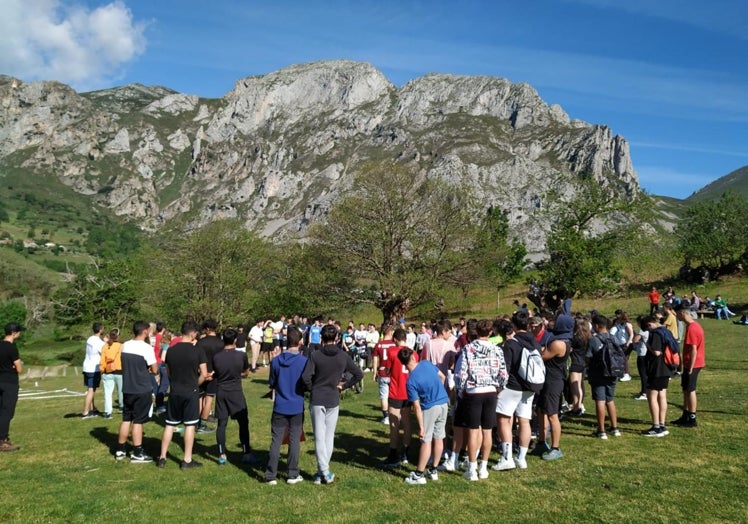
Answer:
x=658 y=379
x=603 y=387
x=654 y=300
x=381 y=368
x=138 y=364
x=91 y=372
x=187 y=369
x=241 y=339
x=321 y=376
x=210 y=345
x=372 y=337
x=397 y=402
x=111 y=371
x=288 y=408
x=693 y=361
x=255 y=342
x=10 y=367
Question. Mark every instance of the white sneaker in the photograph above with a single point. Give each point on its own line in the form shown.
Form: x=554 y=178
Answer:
x=415 y=479
x=625 y=378
x=504 y=464
x=447 y=465
x=295 y=480
x=432 y=474
x=464 y=464
x=483 y=474
x=521 y=464
x=471 y=475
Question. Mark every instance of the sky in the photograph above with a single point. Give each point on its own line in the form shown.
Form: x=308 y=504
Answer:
x=671 y=76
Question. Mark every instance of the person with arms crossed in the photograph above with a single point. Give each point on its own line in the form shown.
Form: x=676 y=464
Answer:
x=693 y=361
x=210 y=345
x=111 y=371
x=10 y=367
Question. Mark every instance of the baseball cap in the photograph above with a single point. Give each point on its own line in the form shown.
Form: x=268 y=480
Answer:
x=13 y=327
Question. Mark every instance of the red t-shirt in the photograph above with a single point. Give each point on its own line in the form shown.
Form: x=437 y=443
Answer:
x=380 y=350
x=398 y=374
x=654 y=297
x=694 y=337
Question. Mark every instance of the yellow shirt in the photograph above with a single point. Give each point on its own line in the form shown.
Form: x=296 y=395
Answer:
x=672 y=325
x=111 y=357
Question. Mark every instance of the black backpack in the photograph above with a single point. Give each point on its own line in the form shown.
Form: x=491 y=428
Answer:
x=611 y=359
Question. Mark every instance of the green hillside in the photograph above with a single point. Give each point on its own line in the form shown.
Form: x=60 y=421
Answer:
x=736 y=181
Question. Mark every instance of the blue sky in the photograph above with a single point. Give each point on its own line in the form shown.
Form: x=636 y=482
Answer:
x=669 y=75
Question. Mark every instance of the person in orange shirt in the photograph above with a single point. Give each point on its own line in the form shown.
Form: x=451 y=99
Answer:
x=111 y=372
x=654 y=300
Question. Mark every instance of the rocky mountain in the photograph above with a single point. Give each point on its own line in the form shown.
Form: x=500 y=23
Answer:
x=278 y=149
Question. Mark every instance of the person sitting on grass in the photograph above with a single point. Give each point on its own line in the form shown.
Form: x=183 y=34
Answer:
x=603 y=387
x=431 y=405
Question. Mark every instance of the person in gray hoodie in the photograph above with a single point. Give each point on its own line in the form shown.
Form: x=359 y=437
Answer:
x=322 y=376
x=288 y=409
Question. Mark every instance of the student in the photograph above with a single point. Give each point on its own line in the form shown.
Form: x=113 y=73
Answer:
x=230 y=366
x=321 y=376
x=138 y=363
x=91 y=371
x=187 y=370
x=431 y=405
x=603 y=388
x=397 y=402
x=10 y=367
x=288 y=408
x=210 y=345
x=110 y=366
x=654 y=300
x=381 y=367
x=315 y=335
x=255 y=342
x=658 y=379
x=693 y=362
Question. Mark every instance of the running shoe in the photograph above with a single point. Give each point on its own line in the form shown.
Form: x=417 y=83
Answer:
x=415 y=479
x=190 y=465
x=140 y=457
x=615 y=432
x=471 y=475
x=521 y=464
x=504 y=465
x=294 y=480
x=161 y=463
x=432 y=473
x=600 y=434
x=553 y=454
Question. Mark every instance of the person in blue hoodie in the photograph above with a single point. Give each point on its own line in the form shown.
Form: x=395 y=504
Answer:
x=288 y=409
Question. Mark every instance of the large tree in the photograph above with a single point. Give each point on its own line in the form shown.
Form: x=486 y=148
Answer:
x=402 y=236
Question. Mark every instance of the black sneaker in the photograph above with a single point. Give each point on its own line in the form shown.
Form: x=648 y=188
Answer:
x=654 y=431
x=190 y=465
x=690 y=423
x=140 y=457
x=204 y=428
x=161 y=463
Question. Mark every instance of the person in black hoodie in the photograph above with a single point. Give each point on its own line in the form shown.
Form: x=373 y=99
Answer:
x=321 y=376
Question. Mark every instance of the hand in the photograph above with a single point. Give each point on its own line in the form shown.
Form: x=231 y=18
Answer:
x=340 y=387
x=422 y=433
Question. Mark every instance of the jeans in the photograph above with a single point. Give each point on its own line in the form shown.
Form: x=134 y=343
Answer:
x=8 y=400
x=160 y=389
x=324 y=421
x=279 y=425
x=110 y=380
x=641 y=366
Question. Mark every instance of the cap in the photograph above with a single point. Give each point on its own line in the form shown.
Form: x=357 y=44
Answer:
x=13 y=327
x=535 y=321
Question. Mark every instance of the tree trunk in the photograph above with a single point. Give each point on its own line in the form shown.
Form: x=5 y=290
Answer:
x=393 y=309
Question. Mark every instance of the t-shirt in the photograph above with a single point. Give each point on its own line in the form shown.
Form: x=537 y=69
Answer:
x=654 y=297
x=267 y=334
x=410 y=340
x=241 y=340
x=372 y=337
x=229 y=365
x=398 y=374
x=255 y=334
x=93 y=354
x=424 y=385
x=360 y=337
x=440 y=352
x=671 y=323
x=137 y=356
x=210 y=345
x=380 y=351
x=184 y=361
x=694 y=337
x=8 y=355
x=315 y=335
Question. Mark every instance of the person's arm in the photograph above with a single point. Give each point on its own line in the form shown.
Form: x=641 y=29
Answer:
x=153 y=369
x=102 y=362
x=245 y=366
x=419 y=417
x=18 y=365
x=691 y=349
x=308 y=373
x=375 y=366
x=554 y=349
x=203 y=373
x=630 y=332
x=352 y=368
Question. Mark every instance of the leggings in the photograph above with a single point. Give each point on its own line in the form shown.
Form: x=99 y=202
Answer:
x=242 y=417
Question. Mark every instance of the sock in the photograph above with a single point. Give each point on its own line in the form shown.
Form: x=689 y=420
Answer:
x=385 y=414
x=554 y=448
x=473 y=466
x=522 y=453
x=506 y=450
x=483 y=465
x=691 y=415
x=419 y=473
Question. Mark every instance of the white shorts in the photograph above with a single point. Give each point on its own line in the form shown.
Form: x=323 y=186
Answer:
x=384 y=387
x=243 y=350
x=513 y=402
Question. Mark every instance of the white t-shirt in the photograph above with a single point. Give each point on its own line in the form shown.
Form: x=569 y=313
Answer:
x=91 y=363
x=410 y=340
x=255 y=334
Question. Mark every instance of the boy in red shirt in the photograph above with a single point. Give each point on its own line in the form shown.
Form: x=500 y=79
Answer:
x=693 y=361
x=399 y=406
x=381 y=367
x=654 y=300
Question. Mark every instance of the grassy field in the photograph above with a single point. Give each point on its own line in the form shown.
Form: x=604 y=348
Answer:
x=65 y=472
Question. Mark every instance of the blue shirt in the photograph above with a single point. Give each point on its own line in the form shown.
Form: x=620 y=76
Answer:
x=315 y=335
x=425 y=386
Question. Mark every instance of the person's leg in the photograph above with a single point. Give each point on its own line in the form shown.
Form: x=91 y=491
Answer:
x=207 y=405
x=395 y=418
x=108 y=380
x=424 y=454
x=555 y=430
x=612 y=414
x=505 y=437
x=575 y=380
x=137 y=435
x=662 y=402
x=242 y=418
x=189 y=442
x=295 y=427
x=120 y=396
x=474 y=443
x=331 y=422
x=221 y=436
x=641 y=366
x=166 y=440
x=405 y=421
x=654 y=407
x=88 y=401
x=318 y=425
x=278 y=426
x=600 y=414
x=124 y=432
x=525 y=434
x=255 y=353
x=486 y=444
x=8 y=401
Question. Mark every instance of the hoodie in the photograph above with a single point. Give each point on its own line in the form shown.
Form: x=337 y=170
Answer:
x=513 y=355
x=285 y=379
x=324 y=371
x=482 y=369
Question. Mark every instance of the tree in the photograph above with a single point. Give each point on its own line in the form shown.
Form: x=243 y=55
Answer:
x=714 y=233
x=401 y=236
x=13 y=311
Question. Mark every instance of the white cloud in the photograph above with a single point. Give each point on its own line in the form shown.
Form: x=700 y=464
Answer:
x=49 y=40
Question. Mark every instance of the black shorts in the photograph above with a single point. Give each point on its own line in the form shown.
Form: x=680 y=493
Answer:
x=657 y=383
x=578 y=362
x=183 y=409
x=549 y=400
x=398 y=404
x=229 y=404
x=137 y=408
x=688 y=380
x=209 y=388
x=92 y=380
x=266 y=347
x=478 y=411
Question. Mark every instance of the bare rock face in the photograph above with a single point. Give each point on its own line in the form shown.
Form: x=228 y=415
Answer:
x=279 y=149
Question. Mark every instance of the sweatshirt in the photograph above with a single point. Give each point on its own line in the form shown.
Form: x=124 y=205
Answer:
x=482 y=369
x=323 y=373
x=285 y=379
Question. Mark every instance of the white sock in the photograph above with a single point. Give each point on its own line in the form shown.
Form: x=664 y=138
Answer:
x=506 y=450
x=473 y=466
x=454 y=457
x=522 y=453
x=483 y=465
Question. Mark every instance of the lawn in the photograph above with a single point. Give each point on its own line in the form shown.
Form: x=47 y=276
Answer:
x=65 y=472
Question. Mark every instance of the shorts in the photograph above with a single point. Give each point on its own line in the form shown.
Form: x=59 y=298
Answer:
x=183 y=409
x=549 y=400
x=384 y=387
x=229 y=403
x=578 y=362
x=209 y=388
x=478 y=410
x=92 y=380
x=657 y=383
x=688 y=380
x=137 y=407
x=398 y=404
x=435 y=423
x=266 y=347
x=603 y=390
x=512 y=402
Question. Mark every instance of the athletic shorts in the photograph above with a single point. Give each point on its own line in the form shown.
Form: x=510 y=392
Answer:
x=137 y=407
x=512 y=402
x=183 y=410
x=578 y=362
x=603 y=390
x=478 y=410
x=398 y=404
x=209 y=388
x=657 y=383
x=229 y=403
x=92 y=380
x=549 y=400
x=243 y=350
x=688 y=380
x=266 y=347
x=435 y=423
x=384 y=387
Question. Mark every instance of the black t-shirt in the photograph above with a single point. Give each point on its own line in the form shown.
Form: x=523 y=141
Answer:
x=210 y=345
x=513 y=354
x=555 y=368
x=8 y=355
x=184 y=362
x=241 y=340
x=229 y=365
x=656 y=364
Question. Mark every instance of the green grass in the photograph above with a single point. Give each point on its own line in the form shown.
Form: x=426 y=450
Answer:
x=65 y=473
